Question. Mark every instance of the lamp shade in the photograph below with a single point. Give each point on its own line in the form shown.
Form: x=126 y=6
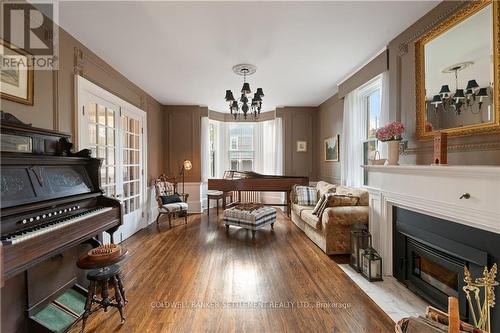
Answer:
x=444 y=90
x=256 y=97
x=459 y=94
x=187 y=165
x=482 y=93
x=229 y=96
x=246 y=88
x=260 y=92
x=436 y=100
x=472 y=84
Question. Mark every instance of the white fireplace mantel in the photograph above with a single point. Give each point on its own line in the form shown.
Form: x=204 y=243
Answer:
x=435 y=191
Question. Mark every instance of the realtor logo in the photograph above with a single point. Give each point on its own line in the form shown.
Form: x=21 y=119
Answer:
x=31 y=28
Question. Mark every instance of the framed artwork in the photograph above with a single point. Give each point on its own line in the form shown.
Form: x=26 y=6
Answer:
x=332 y=149
x=16 y=79
x=301 y=146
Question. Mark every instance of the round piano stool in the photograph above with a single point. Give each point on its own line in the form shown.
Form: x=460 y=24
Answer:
x=104 y=272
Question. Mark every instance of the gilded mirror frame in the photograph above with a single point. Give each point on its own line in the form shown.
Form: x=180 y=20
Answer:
x=464 y=13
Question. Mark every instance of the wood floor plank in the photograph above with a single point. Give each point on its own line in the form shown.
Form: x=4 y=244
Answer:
x=200 y=278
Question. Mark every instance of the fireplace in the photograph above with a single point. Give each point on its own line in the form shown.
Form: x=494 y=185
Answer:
x=429 y=255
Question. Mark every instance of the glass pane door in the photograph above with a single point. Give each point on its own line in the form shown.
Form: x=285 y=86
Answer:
x=132 y=163
x=101 y=141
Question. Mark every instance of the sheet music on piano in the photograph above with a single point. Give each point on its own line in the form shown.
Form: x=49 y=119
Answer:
x=50 y=203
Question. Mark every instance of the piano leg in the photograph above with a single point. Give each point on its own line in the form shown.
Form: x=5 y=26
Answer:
x=288 y=203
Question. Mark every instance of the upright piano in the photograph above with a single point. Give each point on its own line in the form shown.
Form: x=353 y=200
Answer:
x=51 y=210
x=252 y=181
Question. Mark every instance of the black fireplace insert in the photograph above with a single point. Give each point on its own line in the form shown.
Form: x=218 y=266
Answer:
x=429 y=255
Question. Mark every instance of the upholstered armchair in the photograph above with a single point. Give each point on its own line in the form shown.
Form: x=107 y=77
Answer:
x=164 y=188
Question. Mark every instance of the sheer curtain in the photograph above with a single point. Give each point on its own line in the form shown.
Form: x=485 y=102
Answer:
x=354 y=128
x=268 y=147
x=384 y=111
x=221 y=146
x=205 y=150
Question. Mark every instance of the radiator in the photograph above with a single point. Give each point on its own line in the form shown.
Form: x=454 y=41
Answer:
x=249 y=196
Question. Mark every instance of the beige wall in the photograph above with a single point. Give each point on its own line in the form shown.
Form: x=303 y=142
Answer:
x=54 y=96
x=299 y=124
x=329 y=123
x=182 y=139
x=477 y=149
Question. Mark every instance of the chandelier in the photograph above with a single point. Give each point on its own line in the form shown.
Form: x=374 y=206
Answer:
x=244 y=104
x=460 y=99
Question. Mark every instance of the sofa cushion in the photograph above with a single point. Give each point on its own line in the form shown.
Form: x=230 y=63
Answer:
x=355 y=192
x=174 y=207
x=311 y=219
x=306 y=195
x=298 y=208
x=324 y=187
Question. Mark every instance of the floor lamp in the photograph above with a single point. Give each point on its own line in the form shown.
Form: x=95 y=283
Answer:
x=186 y=166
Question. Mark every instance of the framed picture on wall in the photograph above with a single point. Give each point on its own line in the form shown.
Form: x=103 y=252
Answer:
x=301 y=146
x=332 y=149
x=16 y=76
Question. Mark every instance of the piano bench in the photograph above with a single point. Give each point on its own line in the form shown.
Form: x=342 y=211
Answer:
x=104 y=272
x=102 y=279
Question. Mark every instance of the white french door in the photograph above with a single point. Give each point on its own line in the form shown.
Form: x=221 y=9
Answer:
x=114 y=130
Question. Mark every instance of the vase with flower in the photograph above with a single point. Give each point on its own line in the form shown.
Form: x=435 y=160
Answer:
x=392 y=134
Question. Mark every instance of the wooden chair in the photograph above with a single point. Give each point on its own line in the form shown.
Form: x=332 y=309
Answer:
x=167 y=186
x=218 y=195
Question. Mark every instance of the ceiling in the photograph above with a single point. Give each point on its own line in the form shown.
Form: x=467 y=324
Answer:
x=182 y=53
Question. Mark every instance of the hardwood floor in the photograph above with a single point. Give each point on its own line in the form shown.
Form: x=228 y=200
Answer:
x=182 y=280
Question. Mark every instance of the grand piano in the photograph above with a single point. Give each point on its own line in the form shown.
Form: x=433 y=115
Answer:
x=242 y=181
x=51 y=211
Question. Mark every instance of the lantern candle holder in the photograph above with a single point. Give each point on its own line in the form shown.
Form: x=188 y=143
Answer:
x=371 y=265
x=360 y=240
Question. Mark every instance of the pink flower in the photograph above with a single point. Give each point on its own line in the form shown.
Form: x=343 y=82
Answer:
x=392 y=131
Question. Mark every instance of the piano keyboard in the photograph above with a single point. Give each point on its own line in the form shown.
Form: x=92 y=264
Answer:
x=27 y=234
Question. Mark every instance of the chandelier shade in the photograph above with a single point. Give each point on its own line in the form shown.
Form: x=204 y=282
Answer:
x=482 y=93
x=229 y=96
x=444 y=90
x=260 y=92
x=459 y=94
x=471 y=85
x=436 y=100
x=246 y=88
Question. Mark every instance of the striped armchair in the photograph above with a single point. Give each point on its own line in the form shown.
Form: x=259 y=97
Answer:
x=167 y=186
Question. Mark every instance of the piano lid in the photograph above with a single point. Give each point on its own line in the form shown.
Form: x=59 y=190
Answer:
x=234 y=174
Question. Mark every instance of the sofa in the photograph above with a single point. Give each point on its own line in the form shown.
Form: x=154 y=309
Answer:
x=331 y=231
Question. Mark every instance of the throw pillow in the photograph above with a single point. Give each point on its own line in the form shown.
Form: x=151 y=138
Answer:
x=306 y=195
x=322 y=201
x=168 y=199
x=335 y=200
x=342 y=200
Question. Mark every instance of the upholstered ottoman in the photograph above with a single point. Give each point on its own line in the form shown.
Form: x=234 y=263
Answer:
x=250 y=217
